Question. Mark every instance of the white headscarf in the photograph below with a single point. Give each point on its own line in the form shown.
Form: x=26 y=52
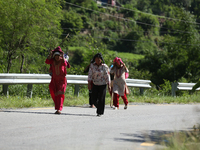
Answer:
x=56 y=53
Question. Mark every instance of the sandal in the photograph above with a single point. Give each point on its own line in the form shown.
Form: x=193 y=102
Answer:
x=125 y=107
x=58 y=112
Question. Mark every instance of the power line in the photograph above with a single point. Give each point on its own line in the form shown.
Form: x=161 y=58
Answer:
x=142 y=41
x=154 y=14
x=124 y=18
x=129 y=40
x=121 y=30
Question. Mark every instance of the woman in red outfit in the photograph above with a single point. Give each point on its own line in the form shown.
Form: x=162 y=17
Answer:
x=58 y=82
x=119 y=83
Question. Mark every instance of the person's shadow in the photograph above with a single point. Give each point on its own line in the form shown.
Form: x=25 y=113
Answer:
x=49 y=113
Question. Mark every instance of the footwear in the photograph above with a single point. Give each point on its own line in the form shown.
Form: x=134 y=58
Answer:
x=92 y=106
x=115 y=108
x=98 y=115
x=58 y=112
x=125 y=107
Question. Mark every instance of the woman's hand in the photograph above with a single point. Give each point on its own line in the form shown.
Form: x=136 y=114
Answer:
x=50 y=54
x=89 y=86
x=109 y=87
x=124 y=65
x=62 y=55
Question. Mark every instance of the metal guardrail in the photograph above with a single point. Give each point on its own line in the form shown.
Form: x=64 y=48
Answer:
x=138 y=83
x=182 y=86
x=30 y=79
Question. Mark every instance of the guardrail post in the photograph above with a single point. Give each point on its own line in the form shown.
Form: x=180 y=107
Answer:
x=29 y=90
x=174 y=88
x=76 y=90
x=141 y=91
x=5 y=90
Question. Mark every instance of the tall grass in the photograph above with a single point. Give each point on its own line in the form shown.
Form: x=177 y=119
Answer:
x=184 y=140
x=24 y=102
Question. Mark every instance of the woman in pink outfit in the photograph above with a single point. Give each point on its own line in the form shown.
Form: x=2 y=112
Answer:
x=58 y=82
x=119 y=83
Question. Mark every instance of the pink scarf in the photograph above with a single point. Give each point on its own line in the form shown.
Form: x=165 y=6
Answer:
x=119 y=60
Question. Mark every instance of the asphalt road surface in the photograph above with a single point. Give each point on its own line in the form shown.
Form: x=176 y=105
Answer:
x=140 y=127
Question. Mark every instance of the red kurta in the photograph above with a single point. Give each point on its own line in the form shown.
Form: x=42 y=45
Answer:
x=58 y=82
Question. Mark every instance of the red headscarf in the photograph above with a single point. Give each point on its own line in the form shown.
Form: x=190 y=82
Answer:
x=119 y=60
x=58 y=49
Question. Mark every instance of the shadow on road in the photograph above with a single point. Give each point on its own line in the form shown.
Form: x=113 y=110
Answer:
x=157 y=136
x=31 y=112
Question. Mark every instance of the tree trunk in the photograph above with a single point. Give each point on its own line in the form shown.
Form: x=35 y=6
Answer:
x=9 y=60
x=22 y=64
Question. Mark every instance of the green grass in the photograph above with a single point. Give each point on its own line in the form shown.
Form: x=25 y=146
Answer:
x=184 y=140
x=83 y=99
x=123 y=55
x=75 y=48
x=166 y=99
x=24 y=102
x=42 y=98
x=127 y=55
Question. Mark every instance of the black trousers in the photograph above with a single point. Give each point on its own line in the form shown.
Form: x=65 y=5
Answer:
x=90 y=98
x=98 y=97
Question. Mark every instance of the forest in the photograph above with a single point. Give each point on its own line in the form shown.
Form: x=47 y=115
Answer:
x=157 y=39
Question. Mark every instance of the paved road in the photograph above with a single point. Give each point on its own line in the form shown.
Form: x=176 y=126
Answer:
x=140 y=127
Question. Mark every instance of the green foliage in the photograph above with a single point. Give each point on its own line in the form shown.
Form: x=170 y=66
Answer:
x=197 y=85
x=110 y=39
x=100 y=25
x=166 y=88
x=188 y=140
x=128 y=13
x=152 y=21
x=144 y=5
x=110 y=24
x=146 y=45
x=73 y=21
x=87 y=24
x=174 y=61
x=129 y=45
x=2 y=61
x=25 y=25
x=29 y=29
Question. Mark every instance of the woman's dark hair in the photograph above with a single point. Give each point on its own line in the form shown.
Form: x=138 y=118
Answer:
x=97 y=55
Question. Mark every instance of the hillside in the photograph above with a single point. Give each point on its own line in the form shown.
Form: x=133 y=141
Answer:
x=165 y=34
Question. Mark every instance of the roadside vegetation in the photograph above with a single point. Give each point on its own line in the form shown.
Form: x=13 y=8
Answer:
x=183 y=140
x=41 y=97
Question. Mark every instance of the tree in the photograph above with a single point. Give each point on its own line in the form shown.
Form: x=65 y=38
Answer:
x=26 y=24
x=178 y=56
x=149 y=23
x=195 y=6
x=128 y=12
x=190 y=38
x=144 y=5
x=72 y=22
x=129 y=45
